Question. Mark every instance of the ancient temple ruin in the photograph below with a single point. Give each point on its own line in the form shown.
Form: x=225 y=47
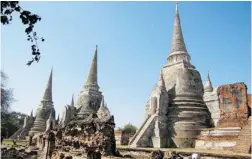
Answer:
x=88 y=123
x=35 y=125
x=44 y=110
x=229 y=108
x=68 y=113
x=175 y=112
x=182 y=113
x=88 y=100
x=90 y=97
x=22 y=132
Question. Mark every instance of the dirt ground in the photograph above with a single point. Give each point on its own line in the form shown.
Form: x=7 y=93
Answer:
x=219 y=153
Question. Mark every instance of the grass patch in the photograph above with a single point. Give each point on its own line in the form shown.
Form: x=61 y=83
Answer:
x=9 y=142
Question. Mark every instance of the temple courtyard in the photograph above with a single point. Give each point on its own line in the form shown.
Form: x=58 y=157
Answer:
x=185 y=117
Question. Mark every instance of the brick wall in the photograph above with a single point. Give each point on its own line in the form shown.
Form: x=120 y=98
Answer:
x=249 y=103
x=233 y=105
x=249 y=100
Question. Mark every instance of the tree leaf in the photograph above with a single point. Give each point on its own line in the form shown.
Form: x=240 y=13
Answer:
x=4 y=19
x=29 y=29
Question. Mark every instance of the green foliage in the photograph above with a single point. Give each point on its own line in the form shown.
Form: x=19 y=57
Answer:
x=28 y=19
x=11 y=122
x=6 y=95
x=19 y=142
x=129 y=128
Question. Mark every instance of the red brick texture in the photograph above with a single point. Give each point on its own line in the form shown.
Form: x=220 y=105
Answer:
x=249 y=100
x=233 y=105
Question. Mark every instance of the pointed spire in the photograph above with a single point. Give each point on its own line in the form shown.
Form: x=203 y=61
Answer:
x=208 y=86
x=58 y=119
x=72 y=102
x=178 y=44
x=208 y=76
x=25 y=122
x=177 y=8
x=31 y=113
x=105 y=105
x=102 y=102
x=92 y=77
x=161 y=83
x=48 y=91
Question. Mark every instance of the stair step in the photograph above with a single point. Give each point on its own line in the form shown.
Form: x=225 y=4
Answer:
x=244 y=139
x=246 y=134
x=140 y=132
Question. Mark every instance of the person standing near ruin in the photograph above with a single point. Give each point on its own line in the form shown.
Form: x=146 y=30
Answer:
x=2 y=136
x=2 y=139
x=43 y=143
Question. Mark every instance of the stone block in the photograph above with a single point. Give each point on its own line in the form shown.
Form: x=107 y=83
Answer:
x=212 y=101
x=156 y=142
x=159 y=142
x=203 y=144
x=184 y=142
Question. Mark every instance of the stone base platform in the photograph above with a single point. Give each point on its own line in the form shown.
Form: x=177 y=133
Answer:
x=218 y=138
x=220 y=154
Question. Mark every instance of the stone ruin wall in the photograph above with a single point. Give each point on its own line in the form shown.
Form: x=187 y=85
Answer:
x=90 y=136
x=228 y=105
x=123 y=138
x=118 y=137
x=233 y=105
x=249 y=103
x=212 y=101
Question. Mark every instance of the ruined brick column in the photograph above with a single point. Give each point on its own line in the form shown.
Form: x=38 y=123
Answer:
x=233 y=105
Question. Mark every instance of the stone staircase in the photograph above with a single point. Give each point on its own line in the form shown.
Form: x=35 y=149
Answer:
x=134 y=140
x=244 y=139
x=22 y=133
x=137 y=132
x=14 y=136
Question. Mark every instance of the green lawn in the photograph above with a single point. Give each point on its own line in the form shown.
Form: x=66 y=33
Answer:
x=9 y=142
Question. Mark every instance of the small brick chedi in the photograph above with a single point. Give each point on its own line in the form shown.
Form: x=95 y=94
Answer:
x=181 y=112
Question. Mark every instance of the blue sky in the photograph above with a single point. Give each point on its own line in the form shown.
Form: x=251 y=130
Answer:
x=134 y=40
